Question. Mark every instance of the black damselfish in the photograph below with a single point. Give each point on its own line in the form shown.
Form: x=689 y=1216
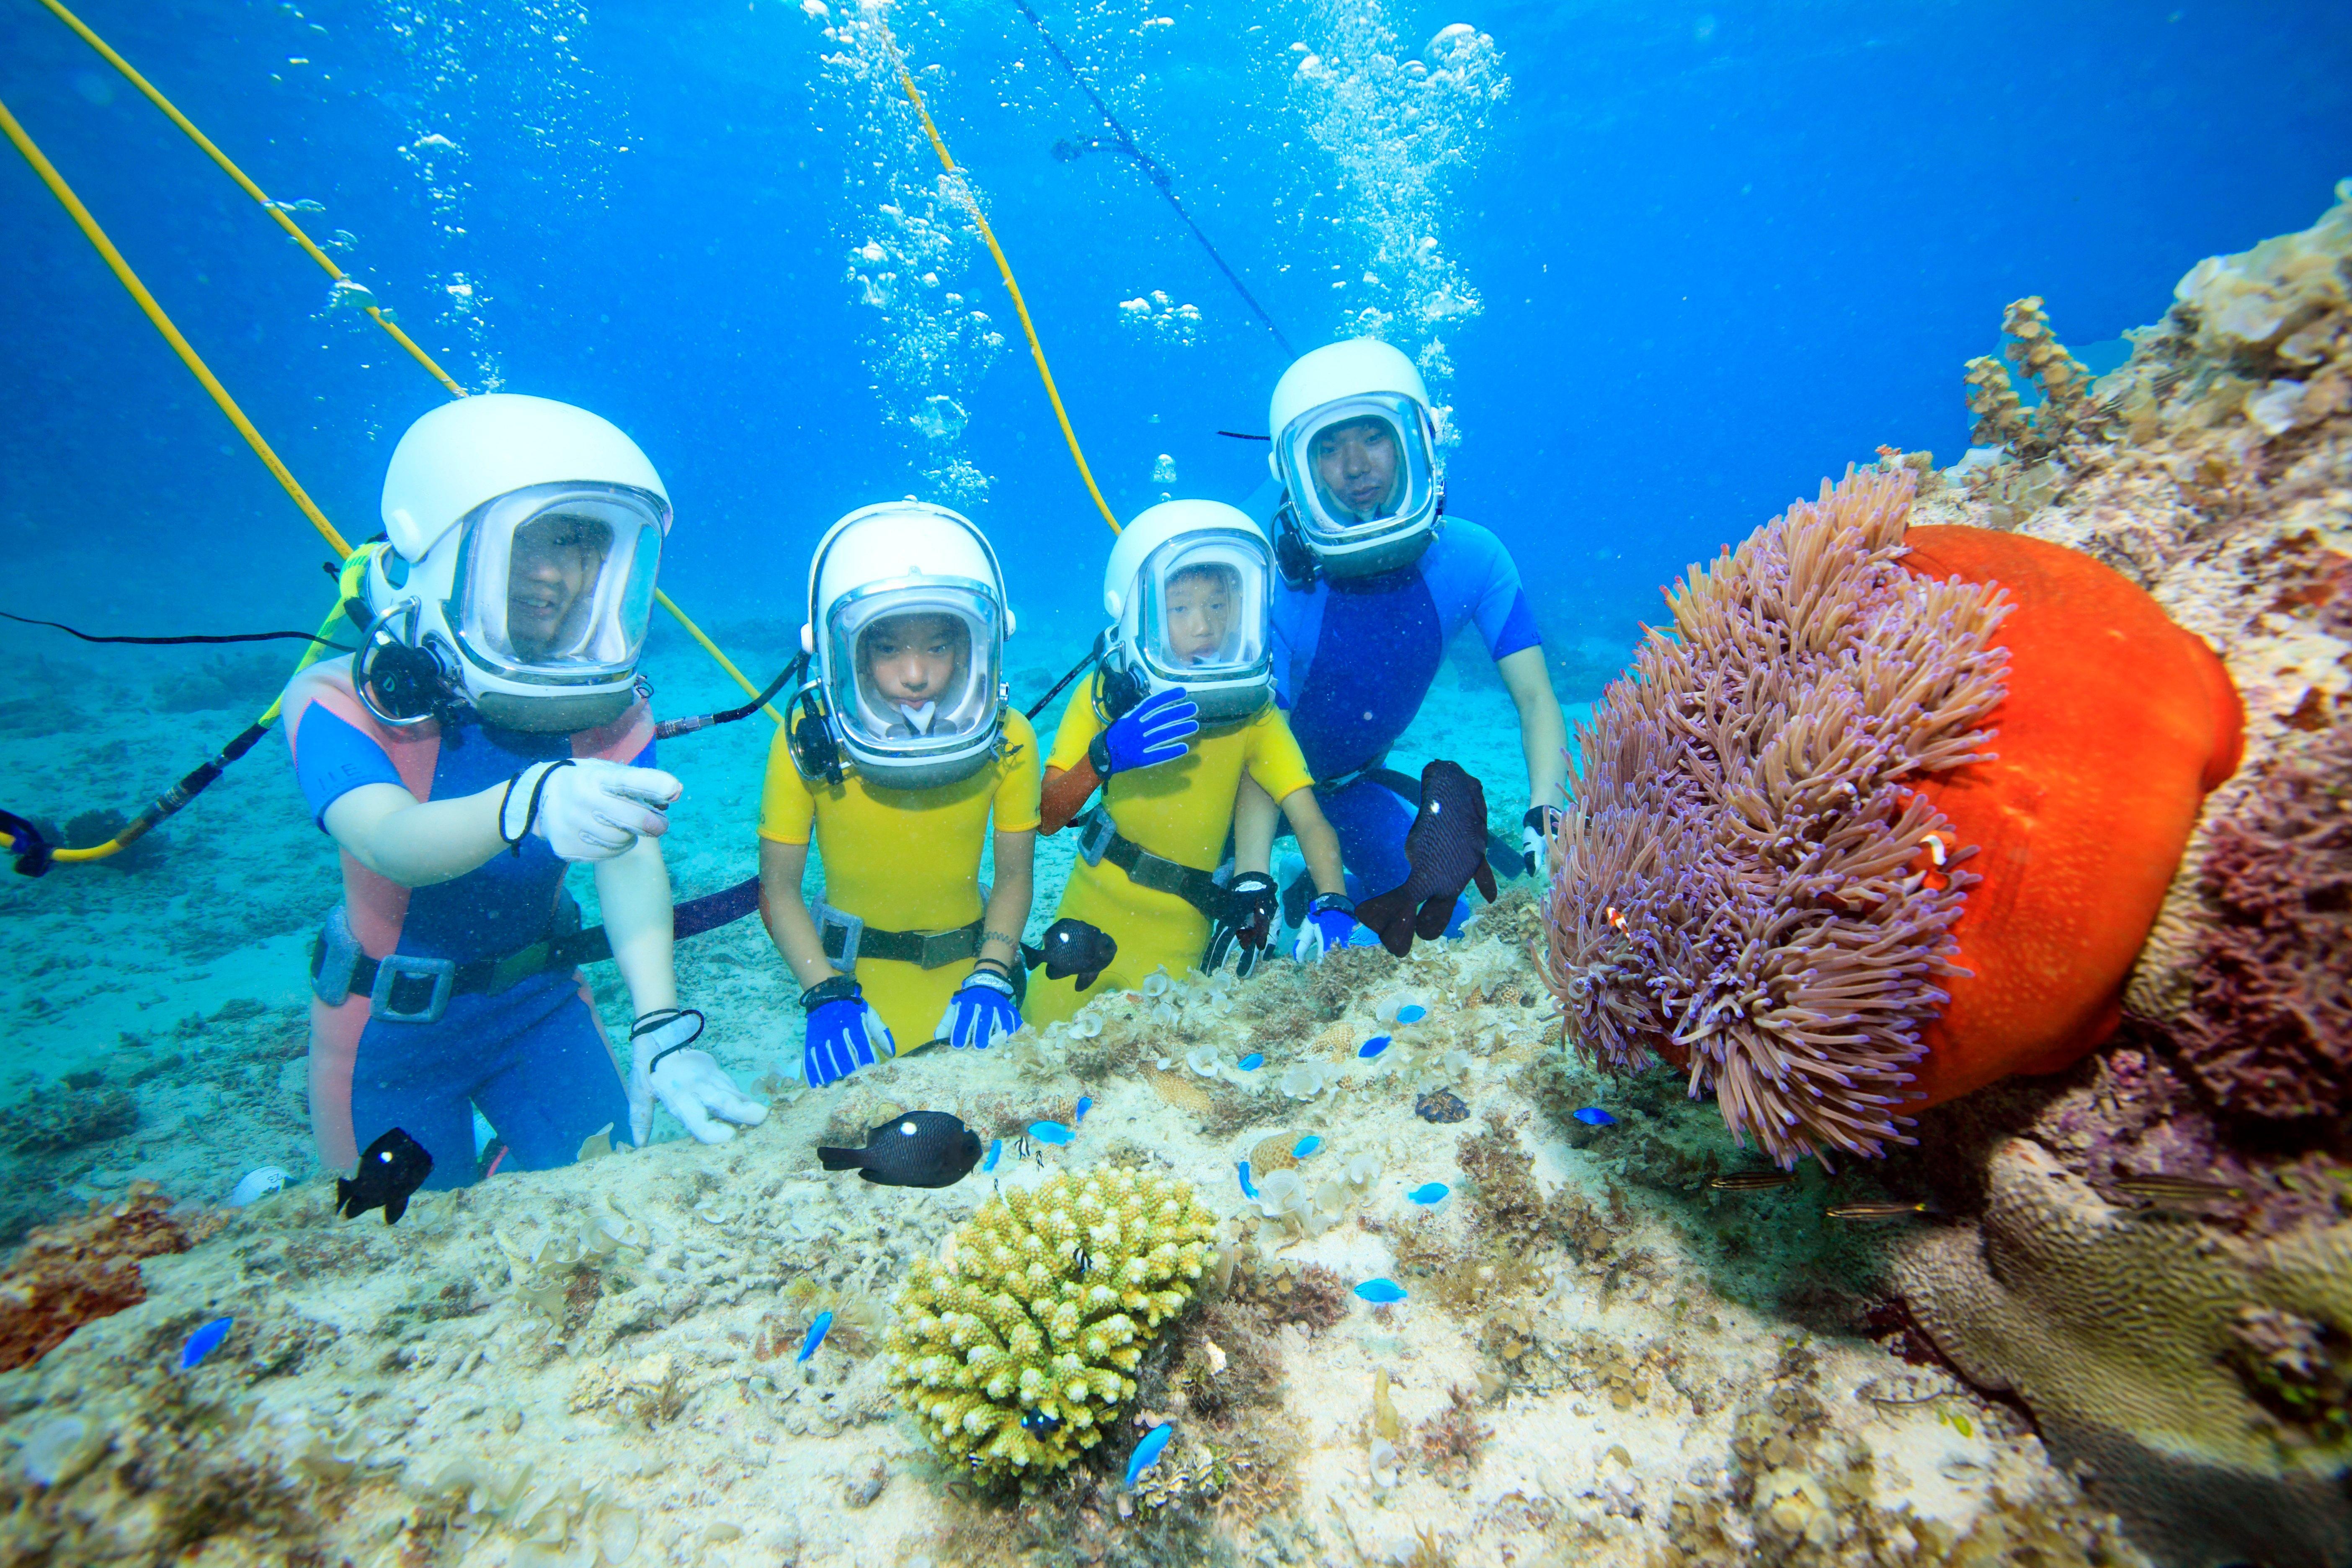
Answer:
x=1073 y=947
x=394 y=1166
x=920 y=1149
x=1446 y=847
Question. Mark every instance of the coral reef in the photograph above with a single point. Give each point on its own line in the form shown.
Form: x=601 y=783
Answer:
x=67 y=1119
x=2185 y=1371
x=1015 y=1353
x=66 y=1274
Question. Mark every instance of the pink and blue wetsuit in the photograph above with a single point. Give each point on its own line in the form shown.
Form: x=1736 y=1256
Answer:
x=533 y=1057
x=1354 y=660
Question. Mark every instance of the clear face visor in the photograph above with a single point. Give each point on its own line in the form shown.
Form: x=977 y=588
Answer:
x=1358 y=468
x=558 y=579
x=1200 y=607
x=914 y=670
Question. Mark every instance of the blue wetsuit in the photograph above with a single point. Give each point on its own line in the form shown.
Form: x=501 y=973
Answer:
x=1353 y=662
x=533 y=1056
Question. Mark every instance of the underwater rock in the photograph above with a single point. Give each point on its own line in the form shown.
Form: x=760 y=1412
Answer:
x=1441 y=1105
x=1015 y=1358
x=67 y=1119
x=68 y=1274
x=2131 y=1343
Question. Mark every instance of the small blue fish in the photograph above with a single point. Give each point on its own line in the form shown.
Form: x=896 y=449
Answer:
x=1382 y=1291
x=1306 y=1146
x=1146 y=1453
x=1372 y=1047
x=1411 y=1013
x=1248 y=1191
x=1593 y=1116
x=1253 y=1061
x=816 y=1336
x=1085 y=1103
x=203 y=1342
x=1435 y=1192
x=1050 y=1133
x=995 y=1148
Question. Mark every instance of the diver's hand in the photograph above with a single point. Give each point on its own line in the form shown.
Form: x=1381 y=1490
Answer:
x=1250 y=904
x=843 y=1033
x=1330 y=920
x=980 y=1013
x=694 y=1087
x=587 y=808
x=1152 y=732
x=1535 y=831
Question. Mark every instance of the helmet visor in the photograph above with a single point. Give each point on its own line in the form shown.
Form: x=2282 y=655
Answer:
x=556 y=582
x=913 y=670
x=1201 y=607
x=1359 y=469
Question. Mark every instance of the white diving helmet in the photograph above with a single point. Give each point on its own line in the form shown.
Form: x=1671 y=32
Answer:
x=1354 y=447
x=905 y=636
x=1187 y=587
x=526 y=537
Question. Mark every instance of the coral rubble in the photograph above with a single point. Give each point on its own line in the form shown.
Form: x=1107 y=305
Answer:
x=1014 y=1354
x=68 y=1274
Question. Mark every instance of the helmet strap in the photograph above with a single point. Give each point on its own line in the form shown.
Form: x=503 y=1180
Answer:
x=1292 y=557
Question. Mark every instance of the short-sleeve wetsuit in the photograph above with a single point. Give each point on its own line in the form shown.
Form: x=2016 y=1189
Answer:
x=906 y=859
x=1353 y=662
x=1180 y=811
x=533 y=1057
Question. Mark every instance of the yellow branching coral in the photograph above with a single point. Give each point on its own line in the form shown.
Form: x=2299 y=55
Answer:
x=1016 y=1351
x=1992 y=398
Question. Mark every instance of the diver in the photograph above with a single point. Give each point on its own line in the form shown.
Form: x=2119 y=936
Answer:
x=1376 y=580
x=898 y=752
x=1178 y=713
x=489 y=735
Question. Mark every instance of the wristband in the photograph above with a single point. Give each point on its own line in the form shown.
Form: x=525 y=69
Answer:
x=658 y=1018
x=1324 y=902
x=531 y=812
x=1099 y=754
x=840 y=988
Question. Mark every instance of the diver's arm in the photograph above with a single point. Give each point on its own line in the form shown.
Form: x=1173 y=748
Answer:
x=634 y=889
x=784 y=914
x=416 y=843
x=1067 y=793
x=1317 y=840
x=1543 y=734
x=1008 y=902
x=1253 y=818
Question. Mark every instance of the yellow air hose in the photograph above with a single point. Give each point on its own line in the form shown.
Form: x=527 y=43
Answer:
x=1020 y=306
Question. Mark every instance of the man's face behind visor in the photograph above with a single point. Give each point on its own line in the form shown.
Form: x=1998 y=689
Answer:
x=554 y=563
x=1356 y=463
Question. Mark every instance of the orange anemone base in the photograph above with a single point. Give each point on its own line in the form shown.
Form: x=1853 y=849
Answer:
x=2115 y=726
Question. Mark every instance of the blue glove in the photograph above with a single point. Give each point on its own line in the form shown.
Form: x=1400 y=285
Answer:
x=980 y=1013
x=1330 y=920
x=1248 y=920
x=1152 y=732
x=843 y=1033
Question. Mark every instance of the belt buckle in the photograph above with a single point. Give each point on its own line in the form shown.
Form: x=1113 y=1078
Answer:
x=1094 y=834
x=941 y=948
x=390 y=970
x=838 y=932
x=334 y=956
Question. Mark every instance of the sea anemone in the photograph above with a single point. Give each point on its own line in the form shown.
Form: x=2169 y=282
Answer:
x=1765 y=877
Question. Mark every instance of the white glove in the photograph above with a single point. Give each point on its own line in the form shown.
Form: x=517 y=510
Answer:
x=587 y=809
x=1535 y=830
x=695 y=1089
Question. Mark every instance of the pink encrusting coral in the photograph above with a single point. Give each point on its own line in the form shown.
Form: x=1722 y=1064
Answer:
x=1744 y=884
x=2268 y=1029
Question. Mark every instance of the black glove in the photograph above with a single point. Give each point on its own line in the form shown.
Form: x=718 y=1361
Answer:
x=1250 y=904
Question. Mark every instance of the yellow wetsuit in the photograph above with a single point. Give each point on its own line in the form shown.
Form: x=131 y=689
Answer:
x=905 y=860
x=1180 y=811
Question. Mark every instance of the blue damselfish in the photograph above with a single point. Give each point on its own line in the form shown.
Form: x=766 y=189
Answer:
x=203 y=1342
x=1435 y=1192
x=1248 y=1191
x=1253 y=1061
x=1306 y=1146
x=1372 y=1047
x=995 y=1148
x=1146 y=1453
x=1381 y=1291
x=1085 y=1103
x=1050 y=1133
x=816 y=1336
x=1411 y=1013
x=1593 y=1116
